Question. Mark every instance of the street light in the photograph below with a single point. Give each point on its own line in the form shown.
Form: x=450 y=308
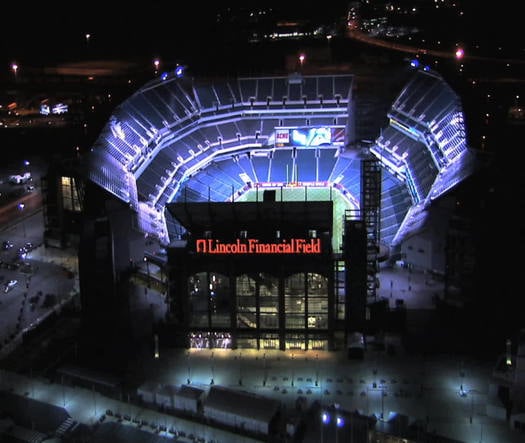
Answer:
x=212 y=370
x=156 y=64
x=189 y=368
x=240 y=369
x=293 y=373
x=325 y=419
x=340 y=422
x=156 y=341
x=301 y=60
x=147 y=270
x=21 y=207
x=27 y=168
x=265 y=369
x=383 y=395
x=14 y=68
x=508 y=359
x=316 y=369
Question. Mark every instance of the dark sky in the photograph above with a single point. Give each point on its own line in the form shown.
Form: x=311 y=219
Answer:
x=40 y=32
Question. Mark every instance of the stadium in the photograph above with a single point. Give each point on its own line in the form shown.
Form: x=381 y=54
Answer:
x=194 y=164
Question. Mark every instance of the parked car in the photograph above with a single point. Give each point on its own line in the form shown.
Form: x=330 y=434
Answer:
x=10 y=285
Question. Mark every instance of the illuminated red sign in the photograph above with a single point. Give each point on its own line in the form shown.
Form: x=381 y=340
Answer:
x=254 y=246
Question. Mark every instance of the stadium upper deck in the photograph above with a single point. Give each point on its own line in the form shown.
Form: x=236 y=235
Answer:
x=178 y=138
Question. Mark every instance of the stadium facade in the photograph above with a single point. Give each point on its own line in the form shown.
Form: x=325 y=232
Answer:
x=202 y=167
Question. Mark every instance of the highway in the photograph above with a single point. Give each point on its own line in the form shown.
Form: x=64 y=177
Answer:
x=363 y=37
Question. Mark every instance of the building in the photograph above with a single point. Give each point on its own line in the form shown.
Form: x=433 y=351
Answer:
x=179 y=145
x=254 y=275
x=242 y=410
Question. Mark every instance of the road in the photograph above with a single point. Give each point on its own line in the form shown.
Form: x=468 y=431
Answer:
x=20 y=208
x=363 y=37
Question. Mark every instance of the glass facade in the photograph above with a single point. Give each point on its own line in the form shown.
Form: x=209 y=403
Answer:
x=70 y=199
x=209 y=300
x=296 y=305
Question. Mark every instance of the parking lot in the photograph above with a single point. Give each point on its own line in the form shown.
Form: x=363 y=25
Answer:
x=34 y=281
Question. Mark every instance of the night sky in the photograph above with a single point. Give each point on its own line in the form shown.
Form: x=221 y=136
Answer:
x=41 y=33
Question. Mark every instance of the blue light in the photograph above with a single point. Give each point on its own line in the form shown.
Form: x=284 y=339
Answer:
x=179 y=71
x=164 y=76
x=414 y=63
x=326 y=418
x=426 y=68
x=340 y=422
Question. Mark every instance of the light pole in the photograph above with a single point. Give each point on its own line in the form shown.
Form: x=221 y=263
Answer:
x=147 y=270
x=156 y=64
x=383 y=393
x=325 y=419
x=240 y=368
x=293 y=373
x=301 y=60
x=471 y=407
x=21 y=207
x=156 y=344
x=339 y=423
x=212 y=370
x=316 y=369
x=188 y=380
x=265 y=369
x=14 y=68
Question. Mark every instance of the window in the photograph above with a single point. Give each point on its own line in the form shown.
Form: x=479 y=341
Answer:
x=70 y=199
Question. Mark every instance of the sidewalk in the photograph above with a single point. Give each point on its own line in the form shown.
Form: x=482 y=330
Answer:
x=87 y=407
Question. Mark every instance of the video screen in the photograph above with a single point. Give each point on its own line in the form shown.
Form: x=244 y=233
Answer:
x=309 y=137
